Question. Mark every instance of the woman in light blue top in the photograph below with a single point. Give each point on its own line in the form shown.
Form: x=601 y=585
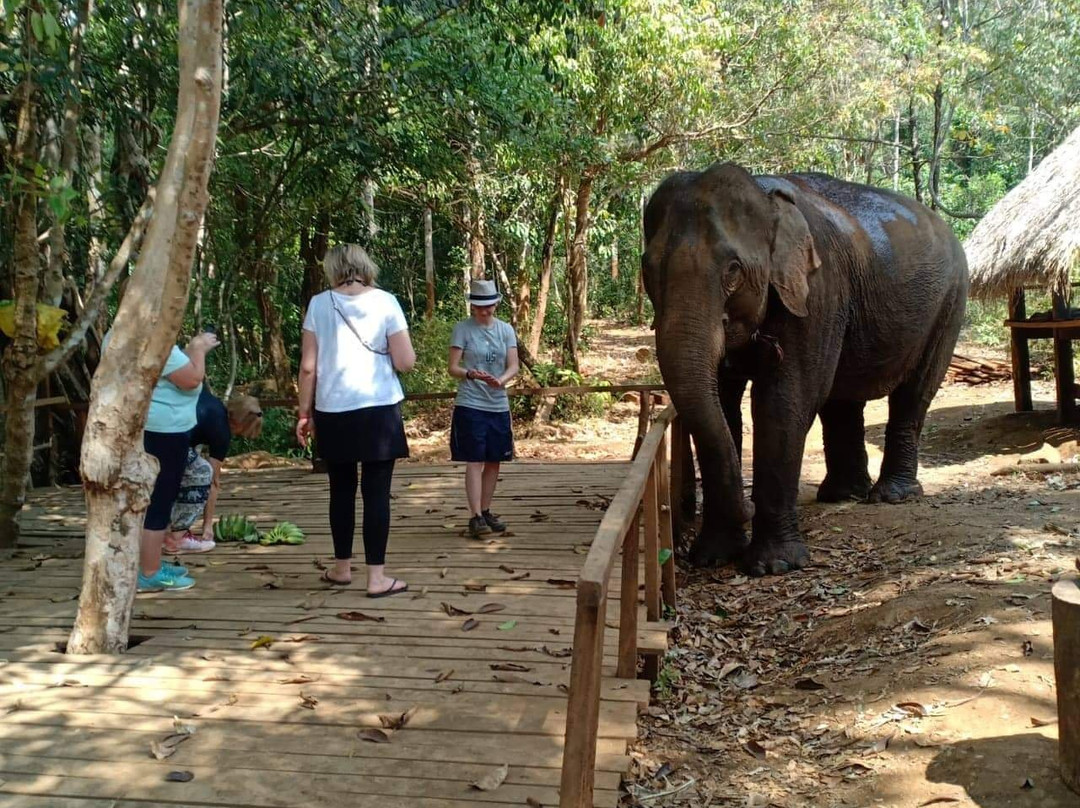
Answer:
x=166 y=435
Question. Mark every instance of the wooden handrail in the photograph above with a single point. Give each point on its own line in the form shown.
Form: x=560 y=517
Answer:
x=644 y=496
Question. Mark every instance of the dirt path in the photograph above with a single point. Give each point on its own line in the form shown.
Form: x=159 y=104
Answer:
x=911 y=666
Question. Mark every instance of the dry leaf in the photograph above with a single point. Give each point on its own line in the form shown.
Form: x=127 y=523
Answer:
x=563 y=583
x=1042 y=722
x=938 y=801
x=532 y=802
x=506 y=569
x=308 y=702
x=809 y=683
x=361 y=617
x=476 y=587
x=160 y=750
x=454 y=611
x=373 y=735
x=421 y=594
x=265 y=641
x=509 y=666
x=218 y=678
x=492 y=780
x=470 y=624
x=179 y=777
x=444 y=675
x=300 y=679
x=521 y=576
x=314 y=602
x=397 y=720
x=490 y=608
x=443 y=571
x=755 y=749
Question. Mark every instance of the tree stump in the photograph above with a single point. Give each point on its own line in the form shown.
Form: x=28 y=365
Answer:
x=1066 y=597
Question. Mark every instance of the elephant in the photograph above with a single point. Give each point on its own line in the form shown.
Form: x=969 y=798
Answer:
x=822 y=294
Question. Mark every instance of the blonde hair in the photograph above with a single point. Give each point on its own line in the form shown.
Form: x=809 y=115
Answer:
x=349 y=262
x=245 y=416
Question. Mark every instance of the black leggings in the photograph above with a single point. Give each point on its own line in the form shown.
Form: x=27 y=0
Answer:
x=375 y=490
x=171 y=450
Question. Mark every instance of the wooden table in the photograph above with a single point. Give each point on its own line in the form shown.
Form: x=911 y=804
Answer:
x=1062 y=330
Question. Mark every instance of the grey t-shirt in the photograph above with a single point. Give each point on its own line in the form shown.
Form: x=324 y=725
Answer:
x=483 y=349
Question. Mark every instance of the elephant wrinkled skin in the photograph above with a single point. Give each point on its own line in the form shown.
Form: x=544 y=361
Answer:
x=822 y=294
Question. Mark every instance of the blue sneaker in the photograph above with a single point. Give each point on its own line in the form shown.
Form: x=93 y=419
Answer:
x=176 y=570
x=163 y=581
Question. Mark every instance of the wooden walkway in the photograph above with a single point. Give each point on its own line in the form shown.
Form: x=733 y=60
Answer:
x=282 y=723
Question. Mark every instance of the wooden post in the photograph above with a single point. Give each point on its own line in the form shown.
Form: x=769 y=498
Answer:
x=583 y=702
x=667 y=569
x=644 y=408
x=1021 y=357
x=1063 y=365
x=683 y=494
x=652 y=547
x=628 y=602
x=1066 y=616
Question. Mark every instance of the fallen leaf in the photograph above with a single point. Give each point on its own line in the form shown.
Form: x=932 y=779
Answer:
x=180 y=728
x=313 y=602
x=299 y=679
x=506 y=569
x=745 y=680
x=264 y=641
x=521 y=576
x=373 y=735
x=476 y=587
x=179 y=777
x=1028 y=784
x=809 y=683
x=938 y=801
x=492 y=780
x=219 y=678
x=444 y=675
x=509 y=666
x=490 y=608
x=449 y=525
x=361 y=617
x=532 y=802
x=470 y=624
x=454 y=611
x=397 y=720
x=563 y=583
x=509 y=625
x=308 y=702
x=421 y=594
x=160 y=750
x=539 y=516
x=913 y=708
x=443 y=571
x=1042 y=722
x=755 y=749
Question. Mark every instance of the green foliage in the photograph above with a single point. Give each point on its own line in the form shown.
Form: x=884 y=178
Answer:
x=568 y=406
x=278 y=436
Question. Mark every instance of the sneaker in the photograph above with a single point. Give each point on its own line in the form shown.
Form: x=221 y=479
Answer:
x=190 y=544
x=163 y=581
x=494 y=522
x=478 y=526
x=176 y=570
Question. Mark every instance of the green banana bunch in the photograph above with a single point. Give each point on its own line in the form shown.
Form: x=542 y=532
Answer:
x=282 y=533
x=236 y=529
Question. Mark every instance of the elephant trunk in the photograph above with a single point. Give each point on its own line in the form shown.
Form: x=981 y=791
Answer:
x=690 y=349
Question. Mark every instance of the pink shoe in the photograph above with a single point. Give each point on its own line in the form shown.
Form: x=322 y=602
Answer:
x=190 y=544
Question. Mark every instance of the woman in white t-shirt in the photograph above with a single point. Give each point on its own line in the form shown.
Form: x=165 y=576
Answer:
x=355 y=338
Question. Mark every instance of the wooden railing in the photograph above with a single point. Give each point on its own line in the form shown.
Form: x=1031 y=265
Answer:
x=645 y=495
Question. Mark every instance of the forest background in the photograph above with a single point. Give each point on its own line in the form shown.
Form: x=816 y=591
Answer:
x=454 y=139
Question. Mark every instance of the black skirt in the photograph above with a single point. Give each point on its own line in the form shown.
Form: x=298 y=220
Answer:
x=366 y=435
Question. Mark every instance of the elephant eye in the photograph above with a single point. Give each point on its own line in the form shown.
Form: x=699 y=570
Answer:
x=733 y=273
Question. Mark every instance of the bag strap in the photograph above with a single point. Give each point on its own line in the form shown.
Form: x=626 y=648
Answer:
x=352 y=328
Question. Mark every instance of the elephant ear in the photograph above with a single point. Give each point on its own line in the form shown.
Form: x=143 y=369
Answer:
x=793 y=257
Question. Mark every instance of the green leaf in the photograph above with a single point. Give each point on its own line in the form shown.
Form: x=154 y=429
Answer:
x=665 y=556
x=509 y=625
x=52 y=28
x=37 y=26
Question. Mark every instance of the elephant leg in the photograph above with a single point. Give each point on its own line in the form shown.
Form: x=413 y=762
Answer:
x=782 y=416
x=719 y=540
x=908 y=405
x=842 y=430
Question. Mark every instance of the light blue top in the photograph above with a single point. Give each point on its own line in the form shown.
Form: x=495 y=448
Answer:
x=483 y=349
x=172 y=410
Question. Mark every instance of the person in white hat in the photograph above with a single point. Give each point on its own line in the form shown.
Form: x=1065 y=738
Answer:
x=483 y=357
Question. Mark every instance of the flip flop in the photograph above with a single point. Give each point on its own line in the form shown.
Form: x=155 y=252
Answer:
x=325 y=578
x=391 y=591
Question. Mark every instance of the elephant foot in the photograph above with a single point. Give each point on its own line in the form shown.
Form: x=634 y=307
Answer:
x=894 y=490
x=775 y=557
x=715 y=548
x=833 y=489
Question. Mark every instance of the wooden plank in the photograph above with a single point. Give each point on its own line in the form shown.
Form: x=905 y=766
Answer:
x=582 y=713
x=1066 y=619
x=628 y=612
x=650 y=507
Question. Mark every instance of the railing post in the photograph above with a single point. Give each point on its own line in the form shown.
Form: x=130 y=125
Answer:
x=652 y=546
x=583 y=701
x=628 y=602
x=667 y=569
x=683 y=495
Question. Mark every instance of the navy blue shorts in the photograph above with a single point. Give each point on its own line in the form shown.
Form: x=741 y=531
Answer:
x=479 y=436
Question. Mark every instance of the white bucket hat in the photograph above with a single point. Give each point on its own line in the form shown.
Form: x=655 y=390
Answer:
x=483 y=293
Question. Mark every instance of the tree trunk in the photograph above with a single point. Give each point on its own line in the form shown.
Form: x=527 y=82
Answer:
x=936 y=145
x=370 y=224
x=19 y=359
x=429 y=264
x=896 y=153
x=117 y=475
x=313 y=245
x=916 y=160
x=546 y=256
x=266 y=279
x=615 y=258
x=577 y=274
x=522 y=293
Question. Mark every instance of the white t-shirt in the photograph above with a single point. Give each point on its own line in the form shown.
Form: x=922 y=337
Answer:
x=350 y=375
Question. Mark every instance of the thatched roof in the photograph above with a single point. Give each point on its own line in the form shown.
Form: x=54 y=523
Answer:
x=1032 y=236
